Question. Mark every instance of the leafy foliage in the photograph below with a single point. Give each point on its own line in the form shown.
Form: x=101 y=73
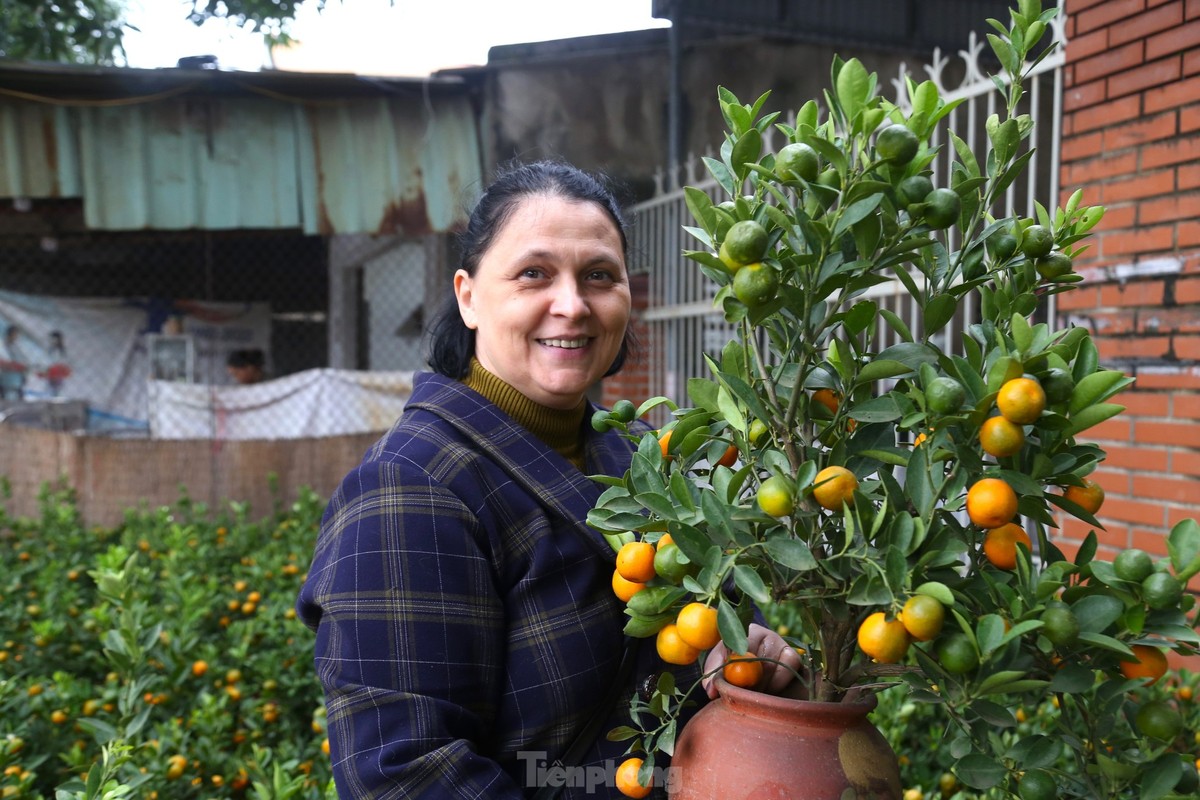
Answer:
x=160 y=658
x=916 y=499
x=91 y=31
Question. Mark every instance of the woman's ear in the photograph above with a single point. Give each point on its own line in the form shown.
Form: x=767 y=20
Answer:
x=463 y=293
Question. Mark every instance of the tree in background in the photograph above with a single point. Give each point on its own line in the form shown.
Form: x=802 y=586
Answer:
x=91 y=31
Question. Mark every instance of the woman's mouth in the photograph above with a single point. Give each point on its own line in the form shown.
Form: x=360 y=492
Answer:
x=565 y=344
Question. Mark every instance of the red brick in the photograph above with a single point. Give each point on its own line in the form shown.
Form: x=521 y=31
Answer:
x=1077 y=147
x=1158 y=487
x=1176 y=151
x=1187 y=348
x=1144 y=404
x=1086 y=46
x=1151 y=540
x=1186 y=405
x=1106 y=13
x=1073 y=7
x=1148 y=129
x=1081 y=297
x=1148 y=23
x=1188 y=234
x=1179 y=93
x=1189 y=117
x=1191 y=62
x=1179 y=434
x=1129 y=348
x=1174 y=377
x=1176 y=40
x=1156 y=73
x=1133 y=293
x=1083 y=96
x=1140 y=240
x=1117 y=429
x=1189 y=176
x=1193 y=9
x=1168 y=320
x=1135 y=511
x=1171 y=207
x=1138 y=186
x=1176 y=515
x=1187 y=290
x=1102 y=323
x=1139 y=458
x=1095 y=169
x=1118 y=217
x=1185 y=462
x=1109 y=62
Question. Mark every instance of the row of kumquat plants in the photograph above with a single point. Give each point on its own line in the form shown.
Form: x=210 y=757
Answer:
x=160 y=658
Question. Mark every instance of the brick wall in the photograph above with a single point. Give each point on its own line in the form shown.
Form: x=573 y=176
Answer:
x=1131 y=140
x=633 y=381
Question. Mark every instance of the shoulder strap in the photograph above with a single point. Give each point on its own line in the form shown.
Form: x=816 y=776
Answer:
x=587 y=736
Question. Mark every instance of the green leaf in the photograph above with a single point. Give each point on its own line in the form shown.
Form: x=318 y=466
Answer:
x=938 y=591
x=1096 y=387
x=1092 y=416
x=877 y=409
x=1160 y=776
x=790 y=552
x=748 y=148
x=721 y=175
x=749 y=582
x=1096 y=612
x=855 y=212
x=701 y=206
x=1183 y=544
x=853 y=87
x=979 y=771
x=655 y=600
x=883 y=368
x=731 y=628
x=999 y=682
x=938 y=311
x=897 y=324
x=729 y=410
x=989 y=633
x=1072 y=679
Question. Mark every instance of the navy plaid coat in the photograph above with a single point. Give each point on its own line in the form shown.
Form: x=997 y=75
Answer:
x=466 y=625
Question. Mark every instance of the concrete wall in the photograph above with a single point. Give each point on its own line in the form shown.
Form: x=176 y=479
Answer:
x=111 y=475
x=607 y=109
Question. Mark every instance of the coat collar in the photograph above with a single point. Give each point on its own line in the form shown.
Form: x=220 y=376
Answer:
x=529 y=461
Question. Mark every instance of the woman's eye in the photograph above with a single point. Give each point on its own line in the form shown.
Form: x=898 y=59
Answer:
x=532 y=272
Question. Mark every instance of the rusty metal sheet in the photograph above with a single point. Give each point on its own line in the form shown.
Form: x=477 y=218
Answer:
x=399 y=163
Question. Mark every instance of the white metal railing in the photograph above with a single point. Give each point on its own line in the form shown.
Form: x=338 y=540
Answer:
x=683 y=324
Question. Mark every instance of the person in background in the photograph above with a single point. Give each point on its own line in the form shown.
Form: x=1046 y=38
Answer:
x=467 y=633
x=246 y=366
x=13 y=365
x=58 y=368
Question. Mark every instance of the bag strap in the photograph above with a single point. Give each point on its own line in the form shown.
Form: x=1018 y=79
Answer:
x=587 y=736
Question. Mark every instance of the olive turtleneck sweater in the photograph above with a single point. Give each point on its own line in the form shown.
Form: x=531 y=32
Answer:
x=561 y=430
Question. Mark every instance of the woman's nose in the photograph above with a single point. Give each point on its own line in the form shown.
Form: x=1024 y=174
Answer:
x=568 y=300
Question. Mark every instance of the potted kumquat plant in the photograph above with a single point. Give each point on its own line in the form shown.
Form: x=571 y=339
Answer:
x=893 y=497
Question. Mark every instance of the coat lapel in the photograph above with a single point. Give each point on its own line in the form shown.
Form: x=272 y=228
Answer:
x=563 y=489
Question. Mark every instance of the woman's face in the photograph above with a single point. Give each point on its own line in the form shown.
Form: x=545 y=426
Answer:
x=549 y=301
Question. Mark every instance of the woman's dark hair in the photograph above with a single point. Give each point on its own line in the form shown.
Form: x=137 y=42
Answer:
x=452 y=343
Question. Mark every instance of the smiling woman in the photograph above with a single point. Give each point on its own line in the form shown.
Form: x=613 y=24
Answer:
x=468 y=633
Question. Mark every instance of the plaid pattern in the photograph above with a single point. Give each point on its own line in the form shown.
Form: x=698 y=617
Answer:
x=464 y=613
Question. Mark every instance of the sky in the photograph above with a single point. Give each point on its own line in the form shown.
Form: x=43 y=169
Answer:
x=375 y=37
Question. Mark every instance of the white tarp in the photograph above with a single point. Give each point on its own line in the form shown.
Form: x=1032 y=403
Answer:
x=107 y=343
x=316 y=402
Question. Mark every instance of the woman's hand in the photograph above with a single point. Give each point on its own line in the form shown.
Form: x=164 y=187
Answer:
x=765 y=643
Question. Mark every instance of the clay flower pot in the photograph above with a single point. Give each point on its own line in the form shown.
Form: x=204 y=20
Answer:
x=750 y=744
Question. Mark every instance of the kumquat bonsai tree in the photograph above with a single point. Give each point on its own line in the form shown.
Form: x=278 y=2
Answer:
x=897 y=502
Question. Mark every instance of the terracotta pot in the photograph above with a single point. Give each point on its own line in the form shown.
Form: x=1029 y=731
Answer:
x=750 y=744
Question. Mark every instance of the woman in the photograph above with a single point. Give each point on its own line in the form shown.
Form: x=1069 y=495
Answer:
x=467 y=633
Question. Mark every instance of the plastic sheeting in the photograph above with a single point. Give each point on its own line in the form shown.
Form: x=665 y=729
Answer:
x=316 y=402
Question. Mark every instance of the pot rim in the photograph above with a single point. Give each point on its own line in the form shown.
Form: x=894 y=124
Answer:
x=751 y=701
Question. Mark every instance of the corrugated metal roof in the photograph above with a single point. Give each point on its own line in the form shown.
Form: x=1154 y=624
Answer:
x=213 y=150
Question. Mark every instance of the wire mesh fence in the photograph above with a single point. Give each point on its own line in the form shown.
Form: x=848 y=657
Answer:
x=217 y=335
